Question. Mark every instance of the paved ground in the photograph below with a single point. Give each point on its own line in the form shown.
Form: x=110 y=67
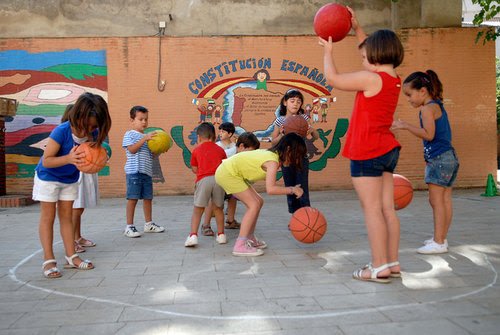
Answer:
x=154 y=285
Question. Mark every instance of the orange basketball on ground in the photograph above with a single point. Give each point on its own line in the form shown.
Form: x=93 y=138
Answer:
x=403 y=192
x=295 y=124
x=332 y=20
x=308 y=225
x=95 y=157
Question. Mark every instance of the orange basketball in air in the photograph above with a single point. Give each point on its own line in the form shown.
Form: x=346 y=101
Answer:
x=308 y=225
x=403 y=192
x=95 y=157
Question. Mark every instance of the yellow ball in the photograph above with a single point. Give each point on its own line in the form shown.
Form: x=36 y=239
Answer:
x=160 y=142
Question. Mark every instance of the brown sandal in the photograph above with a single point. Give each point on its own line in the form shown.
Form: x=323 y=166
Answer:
x=207 y=231
x=232 y=224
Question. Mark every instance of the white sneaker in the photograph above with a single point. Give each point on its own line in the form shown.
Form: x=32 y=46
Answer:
x=191 y=241
x=433 y=248
x=153 y=228
x=430 y=240
x=131 y=231
x=221 y=239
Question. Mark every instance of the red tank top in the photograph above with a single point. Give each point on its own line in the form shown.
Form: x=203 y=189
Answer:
x=369 y=133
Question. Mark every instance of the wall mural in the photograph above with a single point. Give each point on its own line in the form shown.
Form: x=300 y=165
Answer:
x=252 y=103
x=43 y=84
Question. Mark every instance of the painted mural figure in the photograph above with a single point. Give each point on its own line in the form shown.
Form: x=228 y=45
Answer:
x=210 y=110
x=203 y=113
x=315 y=114
x=139 y=172
x=324 y=108
x=290 y=106
x=217 y=114
x=56 y=178
x=261 y=76
x=371 y=145
x=425 y=91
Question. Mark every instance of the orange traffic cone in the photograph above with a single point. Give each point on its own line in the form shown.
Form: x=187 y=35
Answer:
x=491 y=187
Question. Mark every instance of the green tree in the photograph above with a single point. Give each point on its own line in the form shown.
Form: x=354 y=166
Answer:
x=489 y=8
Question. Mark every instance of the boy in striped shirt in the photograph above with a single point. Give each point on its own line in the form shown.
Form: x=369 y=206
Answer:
x=139 y=172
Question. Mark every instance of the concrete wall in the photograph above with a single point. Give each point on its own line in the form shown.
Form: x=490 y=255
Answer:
x=70 y=18
x=199 y=71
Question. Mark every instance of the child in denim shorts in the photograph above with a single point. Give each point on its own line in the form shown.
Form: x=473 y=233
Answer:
x=139 y=172
x=425 y=91
x=370 y=144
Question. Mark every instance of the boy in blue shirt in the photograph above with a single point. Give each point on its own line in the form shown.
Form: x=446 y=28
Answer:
x=139 y=172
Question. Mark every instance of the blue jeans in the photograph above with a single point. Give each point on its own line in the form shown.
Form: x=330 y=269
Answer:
x=292 y=177
x=442 y=170
x=139 y=186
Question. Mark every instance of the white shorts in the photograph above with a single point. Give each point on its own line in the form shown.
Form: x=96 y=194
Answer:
x=88 y=191
x=53 y=191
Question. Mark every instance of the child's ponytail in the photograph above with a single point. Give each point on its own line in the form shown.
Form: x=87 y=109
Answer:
x=437 y=86
x=429 y=80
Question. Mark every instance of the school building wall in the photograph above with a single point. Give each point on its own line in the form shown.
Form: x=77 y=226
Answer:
x=207 y=72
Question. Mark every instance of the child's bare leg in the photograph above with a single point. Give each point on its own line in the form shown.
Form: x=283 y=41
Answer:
x=207 y=215
x=392 y=221
x=196 y=218
x=448 y=205
x=46 y=229
x=231 y=209
x=147 y=207
x=254 y=202
x=369 y=190
x=131 y=204
x=76 y=218
x=64 y=212
x=437 y=201
x=219 y=218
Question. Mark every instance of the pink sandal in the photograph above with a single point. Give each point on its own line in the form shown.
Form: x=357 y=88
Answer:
x=85 y=243
x=79 y=248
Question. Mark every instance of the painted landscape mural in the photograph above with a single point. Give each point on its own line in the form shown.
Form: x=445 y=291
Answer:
x=44 y=84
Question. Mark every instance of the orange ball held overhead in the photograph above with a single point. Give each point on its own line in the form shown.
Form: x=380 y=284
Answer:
x=307 y=225
x=403 y=192
x=332 y=20
x=95 y=157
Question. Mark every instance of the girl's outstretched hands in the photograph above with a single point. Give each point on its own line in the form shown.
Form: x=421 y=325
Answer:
x=398 y=124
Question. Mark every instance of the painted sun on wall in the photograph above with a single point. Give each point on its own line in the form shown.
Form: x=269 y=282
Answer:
x=44 y=84
x=252 y=103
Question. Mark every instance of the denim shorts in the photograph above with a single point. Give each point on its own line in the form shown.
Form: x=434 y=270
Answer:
x=442 y=170
x=375 y=167
x=139 y=186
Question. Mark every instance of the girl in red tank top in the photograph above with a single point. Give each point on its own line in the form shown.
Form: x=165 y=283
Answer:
x=370 y=144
